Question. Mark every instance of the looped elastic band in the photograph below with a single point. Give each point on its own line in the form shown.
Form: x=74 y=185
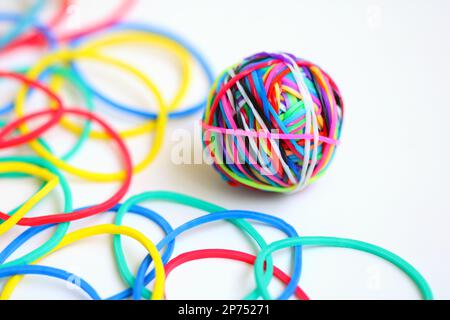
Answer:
x=158 y=292
x=408 y=269
x=230 y=255
x=86 y=212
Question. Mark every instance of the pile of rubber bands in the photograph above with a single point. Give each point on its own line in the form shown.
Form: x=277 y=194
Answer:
x=56 y=67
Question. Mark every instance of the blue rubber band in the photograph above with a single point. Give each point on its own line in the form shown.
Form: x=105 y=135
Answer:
x=53 y=273
x=22 y=23
x=131 y=26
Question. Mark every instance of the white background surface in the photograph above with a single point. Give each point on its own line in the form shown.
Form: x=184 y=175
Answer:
x=389 y=183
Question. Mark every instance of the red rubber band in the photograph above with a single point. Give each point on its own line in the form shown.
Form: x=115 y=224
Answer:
x=90 y=211
x=55 y=114
x=230 y=255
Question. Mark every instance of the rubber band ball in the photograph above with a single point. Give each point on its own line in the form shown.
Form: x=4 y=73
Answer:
x=272 y=123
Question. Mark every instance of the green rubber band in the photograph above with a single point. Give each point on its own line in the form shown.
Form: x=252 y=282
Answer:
x=403 y=265
x=61 y=229
x=173 y=197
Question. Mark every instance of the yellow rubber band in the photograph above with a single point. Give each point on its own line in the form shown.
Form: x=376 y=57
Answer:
x=158 y=290
x=22 y=167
